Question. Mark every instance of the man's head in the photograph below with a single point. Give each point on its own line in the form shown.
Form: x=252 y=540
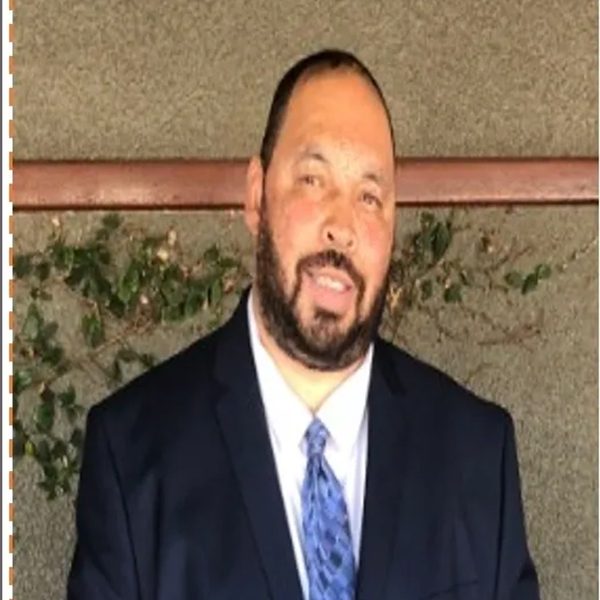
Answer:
x=320 y=203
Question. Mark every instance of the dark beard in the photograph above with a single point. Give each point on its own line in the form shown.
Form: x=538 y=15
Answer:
x=321 y=345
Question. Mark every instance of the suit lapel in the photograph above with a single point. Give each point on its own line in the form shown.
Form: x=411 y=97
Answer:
x=241 y=416
x=386 y=462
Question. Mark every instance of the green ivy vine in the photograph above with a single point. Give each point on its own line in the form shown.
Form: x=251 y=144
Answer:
x=147 y=289
x=127 y=284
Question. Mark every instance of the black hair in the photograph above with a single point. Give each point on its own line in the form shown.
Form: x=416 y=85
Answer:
x=325 y=60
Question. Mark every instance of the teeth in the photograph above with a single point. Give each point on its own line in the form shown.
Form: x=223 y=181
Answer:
x=330 y=283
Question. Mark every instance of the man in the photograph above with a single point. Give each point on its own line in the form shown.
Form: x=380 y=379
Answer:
x=293 y=454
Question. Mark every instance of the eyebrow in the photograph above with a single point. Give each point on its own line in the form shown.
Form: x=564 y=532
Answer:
x=312 y=153
x=374 y=177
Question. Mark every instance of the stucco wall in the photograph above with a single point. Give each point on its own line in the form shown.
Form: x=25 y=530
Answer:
x=149 y=79
x=536 y=354
x=157 y=79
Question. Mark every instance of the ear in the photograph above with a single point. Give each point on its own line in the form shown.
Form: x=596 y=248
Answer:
x=254 y=193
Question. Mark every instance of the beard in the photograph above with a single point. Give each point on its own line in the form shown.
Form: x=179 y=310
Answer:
x=323 y=343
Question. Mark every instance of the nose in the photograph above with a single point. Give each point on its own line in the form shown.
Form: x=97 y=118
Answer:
x=338 y=231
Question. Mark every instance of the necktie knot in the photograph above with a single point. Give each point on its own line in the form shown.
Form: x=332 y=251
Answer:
x=316 y=438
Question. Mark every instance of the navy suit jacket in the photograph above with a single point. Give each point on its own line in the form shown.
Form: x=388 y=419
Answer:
x=179 y=497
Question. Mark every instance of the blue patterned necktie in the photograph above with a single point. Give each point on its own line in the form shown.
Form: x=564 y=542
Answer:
x=327 y=540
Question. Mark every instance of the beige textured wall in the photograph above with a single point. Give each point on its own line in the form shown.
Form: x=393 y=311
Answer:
x=181 y=78
x=546 y=374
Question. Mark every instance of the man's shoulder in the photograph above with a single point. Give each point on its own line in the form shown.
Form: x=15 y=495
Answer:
x=166 y=391
x=432 y=395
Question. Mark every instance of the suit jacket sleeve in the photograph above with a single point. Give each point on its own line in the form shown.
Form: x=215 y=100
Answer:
x=517 y=579
x=103 y=564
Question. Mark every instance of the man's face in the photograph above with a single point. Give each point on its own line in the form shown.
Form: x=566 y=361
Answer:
x=324 y=219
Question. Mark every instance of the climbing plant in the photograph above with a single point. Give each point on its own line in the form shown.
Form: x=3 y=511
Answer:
x=118 y=300
x=127 y=285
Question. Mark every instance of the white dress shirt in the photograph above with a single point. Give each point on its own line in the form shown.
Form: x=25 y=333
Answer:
x=344 y=414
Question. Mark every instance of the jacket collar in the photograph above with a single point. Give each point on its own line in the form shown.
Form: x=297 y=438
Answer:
x=243 y=422
x=241 y=416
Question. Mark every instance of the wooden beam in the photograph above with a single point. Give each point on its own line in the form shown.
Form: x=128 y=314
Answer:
x=202 y=184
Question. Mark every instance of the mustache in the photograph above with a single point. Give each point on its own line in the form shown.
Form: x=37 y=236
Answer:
x=331 y=258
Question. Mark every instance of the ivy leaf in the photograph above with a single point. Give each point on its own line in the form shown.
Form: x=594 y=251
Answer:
x=33 y=323
x=127 y=355
x=424 y=241
x=466 y=277
x=49 y=486
x=149 y=246
x=93 y=330
x=44 y=416
x=147 y=360
x=73 y=412
x=52 y=355
x=216 y=292
x=129 y=284
x=62 y=256
x=172 y=288
x=29 y=448
x=426 y=288
x=529 y=284
x=22 y=266
x=47 y=394
x=192 y=303
x=397 y=271
x=427 y=220
x=19 y=440
x=66 y=399
x=441 y=240
x=62 y=367
x=172 y=313
x=227 y=263
x=41 y=451
x=64 y=485
x=96 y=286
x=116 y=371
x=102 y=234
x=453 y=293
x=117 y=307
x=76 y=439
x=211 y=255
x=42 y=270
x=543 y=271
x=75 y=276
x=514 y=279
x=22 y=379
x=67 y=403
x=112 y=221
x=49 y=330
x=59 y=450
x=101 y=254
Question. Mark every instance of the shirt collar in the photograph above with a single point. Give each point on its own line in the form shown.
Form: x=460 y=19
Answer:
x=342 y=412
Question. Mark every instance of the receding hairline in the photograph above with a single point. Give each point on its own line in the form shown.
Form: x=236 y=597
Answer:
x=323 y=70
x=319 y=71
x=332 y=61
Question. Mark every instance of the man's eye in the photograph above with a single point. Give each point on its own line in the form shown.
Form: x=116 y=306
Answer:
x=370 y=199
x=310 y=180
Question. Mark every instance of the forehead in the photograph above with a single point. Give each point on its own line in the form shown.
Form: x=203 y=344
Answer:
x=337 y=108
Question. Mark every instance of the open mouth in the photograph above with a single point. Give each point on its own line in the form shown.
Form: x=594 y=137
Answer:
x=331 y=289
x=331 y=279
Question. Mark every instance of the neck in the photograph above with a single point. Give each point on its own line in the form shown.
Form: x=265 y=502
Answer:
x=312 y=386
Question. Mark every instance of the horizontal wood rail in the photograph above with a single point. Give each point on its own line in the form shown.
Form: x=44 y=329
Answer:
x=204 y=184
